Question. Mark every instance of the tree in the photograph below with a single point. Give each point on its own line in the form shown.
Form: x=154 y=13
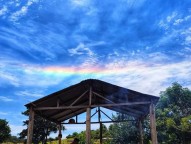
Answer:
x=15 y=140
x=124 y=132
x=173 y=113
x=4 y=130
x=41 y=129
x=95 y=135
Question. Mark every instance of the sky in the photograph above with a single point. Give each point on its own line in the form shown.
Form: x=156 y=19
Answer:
x=48 y=45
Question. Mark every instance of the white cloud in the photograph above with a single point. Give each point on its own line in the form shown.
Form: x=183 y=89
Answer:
x=3 y=113
x=8 y=77
x=85 y=49
x=181 y=20
x=187 y=49
x=80 y=49
x=23 y=11
x=147 y=78
x=89 y=62
x=3 y=10
x=30 y=94
x=16 y=129
x=188 y=40
x=178 y=21
x=5 y=99
x=98 y=43
x=162 y=24
x=134 y=4
x=171 y=17
x=173 y=20
x=80 y=3
x=27 y=75
x=158 y=57
x=186 y=33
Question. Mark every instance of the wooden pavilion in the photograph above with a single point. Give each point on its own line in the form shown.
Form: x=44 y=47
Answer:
x=88 y=94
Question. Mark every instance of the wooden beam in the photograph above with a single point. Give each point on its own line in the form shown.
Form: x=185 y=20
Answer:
x=58 y=102
x=90 y=97
x=92 y=106
x=69 y=115
x=132 y=110
x=30 y=126
x=99 y=122
x=57 y=113
x=99 y=114
x=76 y=119
x=88 y=126
x=153 y=124
x=79 y=98
x=126 y=112
x=103 y=97
x=106 y=115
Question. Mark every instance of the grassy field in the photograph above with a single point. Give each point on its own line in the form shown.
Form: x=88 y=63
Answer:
x=65 y=141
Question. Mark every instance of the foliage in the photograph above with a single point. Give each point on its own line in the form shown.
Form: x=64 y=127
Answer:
x=4 y=130
x=41 y=129
x=15 y=140
x=124 y=132
x=173 y=113
x=95 y=135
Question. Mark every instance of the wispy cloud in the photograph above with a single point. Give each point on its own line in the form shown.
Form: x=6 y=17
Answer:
x=30 y=94
x=171 y=17
x=10 y=78
x=91 y=57
x=85 y=49
x=80 y=49
x=23 y=11
x=79 y=3
x=5 y=99
x=3 y=10
x=3 y=113
x=16 y=129
x=149 y=78
x=19 y=73
x=181 y=20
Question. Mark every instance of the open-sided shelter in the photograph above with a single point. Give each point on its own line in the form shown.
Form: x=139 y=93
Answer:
x=88 y=94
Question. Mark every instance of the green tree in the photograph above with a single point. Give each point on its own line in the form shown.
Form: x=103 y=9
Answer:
x=15 y=140
x=4 y=130
x=173 y=113
x=41 y=129
x=124 y=132
x=95 y=135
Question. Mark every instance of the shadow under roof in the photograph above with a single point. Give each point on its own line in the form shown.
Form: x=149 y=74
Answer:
x=74 y=100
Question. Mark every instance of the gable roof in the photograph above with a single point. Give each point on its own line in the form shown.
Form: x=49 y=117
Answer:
x=74 y=100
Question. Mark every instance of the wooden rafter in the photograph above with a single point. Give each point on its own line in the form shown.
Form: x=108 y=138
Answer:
x=92 y=106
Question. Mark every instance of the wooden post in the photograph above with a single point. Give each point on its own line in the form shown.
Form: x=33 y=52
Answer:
x=30 y=126
x=88 y=126
x=59 y=134
x=101 y=129
x=153 y=124
x=141 y=131
x=88 y=119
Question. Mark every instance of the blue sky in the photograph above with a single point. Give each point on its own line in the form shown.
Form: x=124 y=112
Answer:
x=45 y=46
